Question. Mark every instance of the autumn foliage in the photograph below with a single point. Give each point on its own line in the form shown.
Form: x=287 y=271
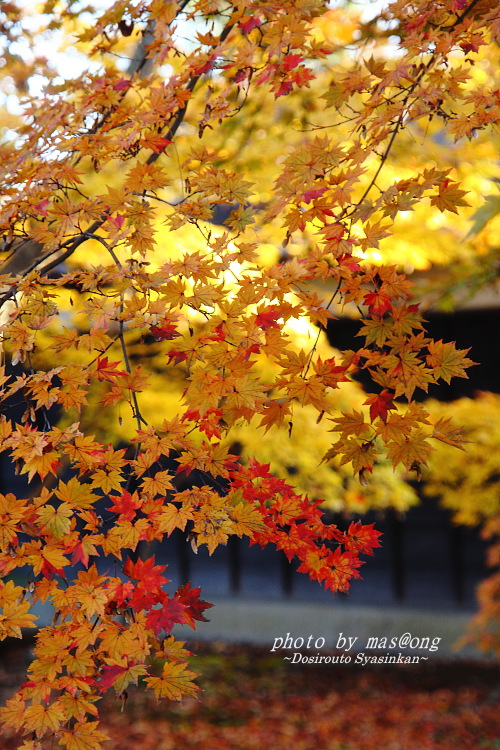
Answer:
x=95 y=171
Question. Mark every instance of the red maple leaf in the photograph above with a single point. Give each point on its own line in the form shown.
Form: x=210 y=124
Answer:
x=349 y=262
x=194 y=606
x=241 y=75
x=283 y=89
x=119 y=592
x=156 y=143
x=148 y=591
x=80 y=554
x=310 y=194
x=249 y=25
x=362 y=537
x=165 y=332
x=48 y=571
x=122 y=85
x=291 y=61
x=268 y=318
x=146 y=572
x=177 y=356
x=106 y=370
x=378 y=302
x=108 y=676
x=118 y=220
x=165 y=617
x=380 y=404
x=42 y=207
x=126 y=505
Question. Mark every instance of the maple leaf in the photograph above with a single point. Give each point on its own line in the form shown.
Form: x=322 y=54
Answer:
x=351 y=424
x=15 y=611
x=107 y=370
x=146 y=571
x=376 y=331
x=124 y=535
x=83 y=549
x=78 y=706
x=89 y=593
x=374 y=234
x=380 y=405
x=362 y=454
x=447 y=361
x=445 y=431
x=362 y=537
x=175 y=681
x=42 y=465
x=411 y=450
x=56 y=520
x=268 y=318
x=276 y=411
x=378 y=302
x=252 y=23
x=12 y=714
x=311 y=391
x=166 y=616
x=309 y=195
x=173 y=650
x=47 y=560
x=12 y=511
x=159 y=484
x=126 y=505
x=45 y=718
x=246 y=519
x=291 y=61
x=343 y=567
x=450 y=197
x=83 y=736
x=73 y=399
x=85 y=452
x=165 y=332
x=172 y=517
x=119 y=676
x=119 y=591
x=155 y=142
x=140 y=256
x=193 y=605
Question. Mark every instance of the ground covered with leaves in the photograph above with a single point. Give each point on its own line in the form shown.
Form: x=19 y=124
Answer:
x=250 y=699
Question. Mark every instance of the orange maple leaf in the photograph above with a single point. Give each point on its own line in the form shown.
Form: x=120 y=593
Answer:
x=450 y=197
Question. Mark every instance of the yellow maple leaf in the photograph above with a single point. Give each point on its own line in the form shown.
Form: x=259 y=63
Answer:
x=12 y=510
x=84 y=736
x=246 y=519
x=172 y=517
x=276 y=409
x=176 y=681
x=310 y=391
x=412 y=449
x=14 y=611
x=42 y=465
x=13 y=713
x=56 y=520
x=75 y=495
x=72 y=399
x=89 y=593
x=447 y=361
x=449 y=197
x=42 y=718
x=159 y=484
